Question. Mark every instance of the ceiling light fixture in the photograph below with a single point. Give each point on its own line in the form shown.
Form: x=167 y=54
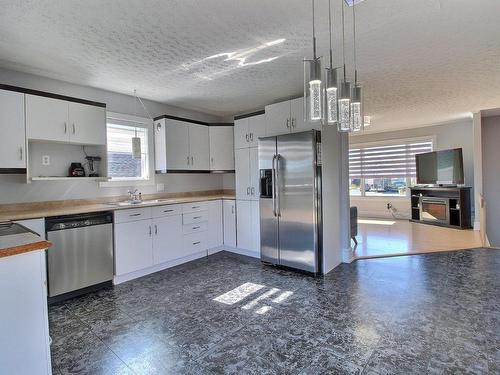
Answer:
x=357 y=121
x=344 y=124
x=313 y=90
x=331 y=82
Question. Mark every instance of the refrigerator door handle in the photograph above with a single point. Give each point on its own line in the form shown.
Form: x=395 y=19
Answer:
x=277 y=185
x=273 y=193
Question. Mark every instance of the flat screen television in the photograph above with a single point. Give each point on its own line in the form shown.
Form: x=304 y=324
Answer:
x=440 y=167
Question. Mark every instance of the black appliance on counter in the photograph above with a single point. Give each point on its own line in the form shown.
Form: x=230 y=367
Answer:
x=76 y=170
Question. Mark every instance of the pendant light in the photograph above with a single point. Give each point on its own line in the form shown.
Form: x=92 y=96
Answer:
x=313 y=90
x=344 y=124
x=331 y=82
x=357 y=120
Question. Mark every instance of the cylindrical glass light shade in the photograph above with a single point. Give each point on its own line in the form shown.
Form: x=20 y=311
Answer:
x=313 y=91
x=331 y=105
x=344 y=124
x=356 y=109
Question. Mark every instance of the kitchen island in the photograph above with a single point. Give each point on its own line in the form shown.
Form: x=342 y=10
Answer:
x=24 y=339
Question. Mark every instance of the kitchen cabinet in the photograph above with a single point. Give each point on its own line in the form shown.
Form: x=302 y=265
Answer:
x=12 y=128
x=248 y=130
x=248 y=225
x=181 y=145
x=57 y=120
x=229 y=214
x=215 y=229
x=133 y=246
x=167 y=239
x=247 y=173
x=287 y=117
x=221 y=148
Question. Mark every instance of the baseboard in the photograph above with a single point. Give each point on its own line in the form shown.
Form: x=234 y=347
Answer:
x=215 y=250
x=249 y=253
x=118 y=279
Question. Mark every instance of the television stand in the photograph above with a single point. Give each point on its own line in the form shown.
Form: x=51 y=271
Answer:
x=443 y=206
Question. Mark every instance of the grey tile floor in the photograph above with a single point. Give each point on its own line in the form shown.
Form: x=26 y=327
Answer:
x=228 y=314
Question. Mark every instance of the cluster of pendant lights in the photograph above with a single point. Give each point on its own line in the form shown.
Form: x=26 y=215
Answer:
x=325 y=98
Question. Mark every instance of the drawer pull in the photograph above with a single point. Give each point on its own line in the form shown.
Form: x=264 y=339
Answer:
x=168 y=210
x=194 y=207
x=197 y=217
x=196 y=243
x=196 y=228
x=135 y=215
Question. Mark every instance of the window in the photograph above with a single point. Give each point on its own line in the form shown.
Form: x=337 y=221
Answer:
x=122 y=166
x=385 y=169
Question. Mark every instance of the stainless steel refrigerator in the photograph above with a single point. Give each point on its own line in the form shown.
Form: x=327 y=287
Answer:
x=290 y=200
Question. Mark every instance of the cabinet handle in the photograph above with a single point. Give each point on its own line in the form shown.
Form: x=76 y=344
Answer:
x=74 y=128
x=150 y=231
x=21 y=153
x=252 y=191
x=188 y=160
x=212 y=161
x=246 y=136
x=194 y=207
x=192 y=160
x=195 y=228
x=156 y=229
x=251 y=137
x=232 y=209
x=293 y=123
x=248 y=190
x=197 y=217
x=196 y=243
x=168 y=210
x=65 y=128
x=288 y=123
x=134 y=215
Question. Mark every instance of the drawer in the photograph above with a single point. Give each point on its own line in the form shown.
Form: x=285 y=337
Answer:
x=132 y=214
x=194 y=207
x=194 y=243
x=195 y=217
x=169 y=210
x=194 y=228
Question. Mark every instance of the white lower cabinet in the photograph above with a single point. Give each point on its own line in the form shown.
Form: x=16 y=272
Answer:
x=215 y=229
x=133 y=246
x=167 y=239
x=248 y=225
x=229 y=213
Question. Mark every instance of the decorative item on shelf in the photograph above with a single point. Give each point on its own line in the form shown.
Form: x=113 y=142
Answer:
x=93 y=162
x=76 y=170
x=313 y=86
x=344 y=124
x=357 y=121
x=331 y=82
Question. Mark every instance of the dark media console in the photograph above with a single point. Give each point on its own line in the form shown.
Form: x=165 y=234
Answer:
x=444 y=206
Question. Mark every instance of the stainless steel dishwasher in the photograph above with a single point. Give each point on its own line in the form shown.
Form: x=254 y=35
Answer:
x=81 y=256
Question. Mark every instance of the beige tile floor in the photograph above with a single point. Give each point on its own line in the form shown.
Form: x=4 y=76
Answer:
x=385 y=237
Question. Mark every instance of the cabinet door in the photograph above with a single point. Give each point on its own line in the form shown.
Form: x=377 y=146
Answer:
x=241 y=138
x=242 y=175
x=256 y=129
x=229 y=207
x=215 y=231
x=160 y=146
x=13 y=141
x=167 y=239
x=177 y=145
x=221 y=148
x=87 y=124
x=133 y=246
x=278 y=118
x=255 y=226
x=254 y=174
x=297 y=117
x=46 y=119
x=244 y=228
x=199 y=147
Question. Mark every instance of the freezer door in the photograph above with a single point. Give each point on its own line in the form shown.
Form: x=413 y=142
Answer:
x=296 y=175
x=268 y=216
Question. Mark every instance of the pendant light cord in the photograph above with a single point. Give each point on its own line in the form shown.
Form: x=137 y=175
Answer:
x=354 y=42
x=330 y=29
x=343 y=38
x=314 y=33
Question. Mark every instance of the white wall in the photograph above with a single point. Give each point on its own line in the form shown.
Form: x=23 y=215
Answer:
x=450 y=135
x=491 y=176
x=14 y=189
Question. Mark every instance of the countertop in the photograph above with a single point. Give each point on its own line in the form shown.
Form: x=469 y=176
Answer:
x=22 y=211
x=20 y=240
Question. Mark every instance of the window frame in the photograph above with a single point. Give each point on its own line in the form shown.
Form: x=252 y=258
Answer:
x=389 y=142
x=132 y=181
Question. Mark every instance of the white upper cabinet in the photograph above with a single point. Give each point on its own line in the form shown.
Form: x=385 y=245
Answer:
x=46 y=119
x=288 y=117
x=181 y=145
x=13 y=140
x=254 y=174
x=199 y=147
x=278 y=118
x=248 y=130
x=87 y=124
x=58 y=120
x=221 y=148
x=177 y=145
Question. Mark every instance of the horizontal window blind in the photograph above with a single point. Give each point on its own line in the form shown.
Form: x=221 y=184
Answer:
x=391 y=161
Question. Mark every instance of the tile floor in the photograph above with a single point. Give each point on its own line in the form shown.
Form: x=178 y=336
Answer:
x=228 y=314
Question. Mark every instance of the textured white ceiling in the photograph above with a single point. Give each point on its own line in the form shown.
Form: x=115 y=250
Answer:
x=421 y=62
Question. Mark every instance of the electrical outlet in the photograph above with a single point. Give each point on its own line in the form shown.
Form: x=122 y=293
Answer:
x=389 y=205
x=45 y=160
x=160 y=187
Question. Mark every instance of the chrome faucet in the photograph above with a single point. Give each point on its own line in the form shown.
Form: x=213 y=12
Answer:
x=134 y=196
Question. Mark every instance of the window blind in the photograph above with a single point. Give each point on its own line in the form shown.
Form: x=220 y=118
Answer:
x=390 y=161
